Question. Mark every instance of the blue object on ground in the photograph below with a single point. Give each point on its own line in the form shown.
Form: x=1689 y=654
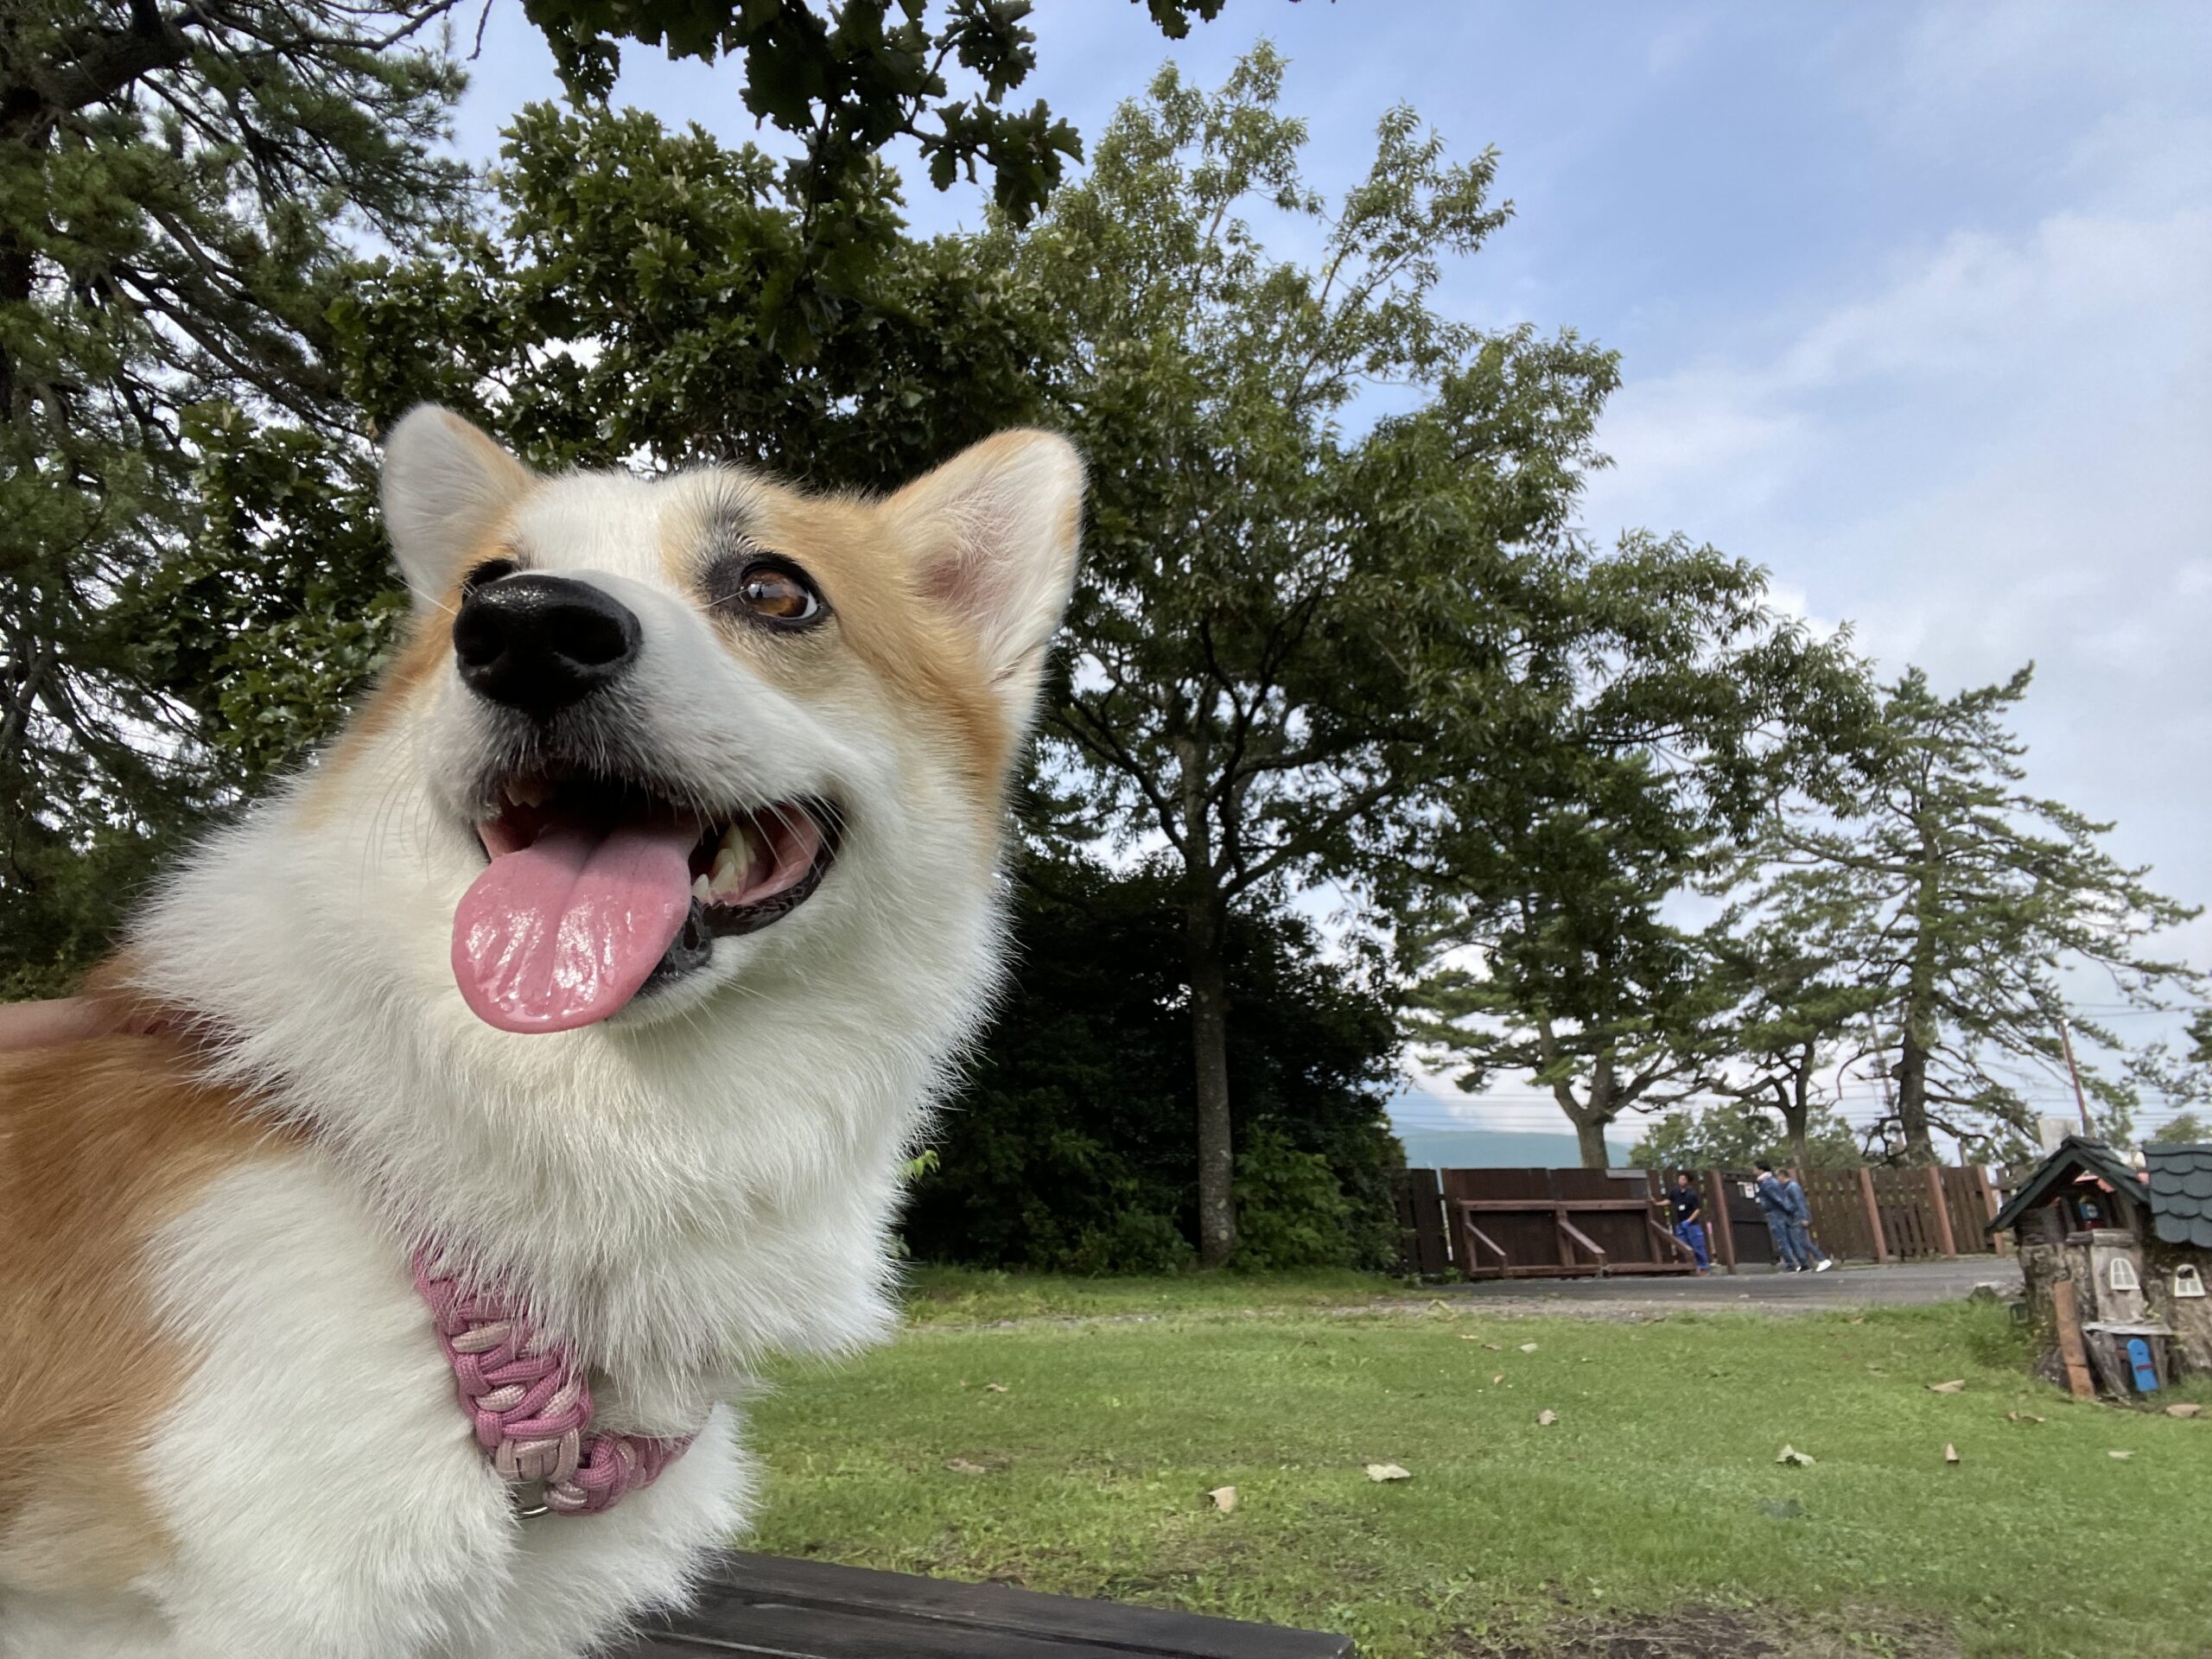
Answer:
x=2139 y=1356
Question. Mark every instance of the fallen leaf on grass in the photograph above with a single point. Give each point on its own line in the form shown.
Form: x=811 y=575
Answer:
x=962 y=1466
x=2123 y=1455
x=1790 y=1454
x=1527 y=1347
x=1499 y=1378
x=2183 y=1411
x=1387 y=1472
x=1224 y=1498
x=2022 y=1417
x=995 y=1388
x=1546 y=1419
x=1950 y=1452
x=1957 y=1385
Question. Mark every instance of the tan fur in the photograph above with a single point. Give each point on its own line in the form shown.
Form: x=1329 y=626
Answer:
x=863 y=557
x=101 y=1143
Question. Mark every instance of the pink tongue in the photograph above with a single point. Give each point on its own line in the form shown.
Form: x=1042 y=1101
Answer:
x=564 y=931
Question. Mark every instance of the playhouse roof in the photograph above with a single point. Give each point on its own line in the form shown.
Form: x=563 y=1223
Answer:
x=2181 y=1193
x=2073 y=1157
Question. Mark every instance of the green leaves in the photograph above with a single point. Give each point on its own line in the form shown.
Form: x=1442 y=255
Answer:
x=1964 y=904
x=847 y=79
x=645 y=293
x=1650 y=706
x=1069 y=1147
x=179 y=201
x=1277 y=617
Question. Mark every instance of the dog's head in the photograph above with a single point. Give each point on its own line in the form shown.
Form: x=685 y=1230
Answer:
x=664 y=735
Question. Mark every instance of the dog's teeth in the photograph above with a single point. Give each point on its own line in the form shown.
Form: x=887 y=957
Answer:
x=733 y=858
x=526 y=792
x=703 y=890
x=729 y=873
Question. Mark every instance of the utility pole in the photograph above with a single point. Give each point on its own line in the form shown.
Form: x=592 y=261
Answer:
x=2082 y=1101
x=1882 y=1071
x=1882 y=1067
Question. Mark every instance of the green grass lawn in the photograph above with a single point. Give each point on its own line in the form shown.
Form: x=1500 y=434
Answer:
x=1653 y=1505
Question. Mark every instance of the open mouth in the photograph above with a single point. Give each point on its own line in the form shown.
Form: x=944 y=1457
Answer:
x=597 y=890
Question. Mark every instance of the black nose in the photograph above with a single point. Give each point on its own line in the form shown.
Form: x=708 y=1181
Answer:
x=540 y=643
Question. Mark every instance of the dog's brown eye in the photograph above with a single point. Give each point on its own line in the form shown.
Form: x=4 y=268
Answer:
x=777 y=593
x=770 y=590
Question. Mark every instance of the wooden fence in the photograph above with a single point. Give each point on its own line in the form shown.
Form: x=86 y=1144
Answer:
x=1524 y=1223
x=1527 y=1223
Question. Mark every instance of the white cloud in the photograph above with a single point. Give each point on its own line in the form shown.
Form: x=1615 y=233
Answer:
x=1990 y=449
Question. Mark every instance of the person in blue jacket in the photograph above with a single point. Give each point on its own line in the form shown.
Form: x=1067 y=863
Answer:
x=1689 y=1218
x=1801 y=1223
x=1774 y=1204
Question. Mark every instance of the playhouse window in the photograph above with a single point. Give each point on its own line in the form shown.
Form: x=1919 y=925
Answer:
x=2188 y=1282
x=2121 y=1274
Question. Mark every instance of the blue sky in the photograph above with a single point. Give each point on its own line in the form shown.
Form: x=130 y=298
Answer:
x=1915 y=304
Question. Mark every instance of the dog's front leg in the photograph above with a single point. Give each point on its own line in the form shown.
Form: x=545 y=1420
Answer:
x=318 y=1483
x=578 y=1579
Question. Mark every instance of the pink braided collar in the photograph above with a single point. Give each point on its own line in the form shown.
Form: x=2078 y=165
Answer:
x=527 y=1395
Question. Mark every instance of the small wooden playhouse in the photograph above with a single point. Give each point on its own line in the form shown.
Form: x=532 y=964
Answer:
x=2118 y=1260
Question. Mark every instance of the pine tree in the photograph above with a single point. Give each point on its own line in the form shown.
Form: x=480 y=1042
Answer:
x=1662 y=706
x=180 y=194
x=1736 y=1135
x=1804 y=1011
x=1970 y=903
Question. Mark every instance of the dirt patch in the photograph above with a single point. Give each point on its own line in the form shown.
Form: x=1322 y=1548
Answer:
x=1722 y=1633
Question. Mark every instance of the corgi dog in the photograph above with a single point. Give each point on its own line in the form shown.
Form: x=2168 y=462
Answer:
x=478 y=1114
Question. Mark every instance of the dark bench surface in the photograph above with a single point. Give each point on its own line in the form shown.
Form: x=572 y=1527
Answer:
x=768 y=1604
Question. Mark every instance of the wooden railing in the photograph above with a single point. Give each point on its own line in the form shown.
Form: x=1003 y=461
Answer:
x=1548 y=1223
x=1574 y=1251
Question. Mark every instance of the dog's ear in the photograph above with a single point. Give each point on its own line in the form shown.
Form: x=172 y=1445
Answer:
x=445 y=486
x=997 y=527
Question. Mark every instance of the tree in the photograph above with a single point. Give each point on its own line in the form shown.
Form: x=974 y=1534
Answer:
x=185 y=321
x=671 y=255
x=1069 y=1148
x=180 y=190
x=2183 y=1128
x=1662 y=708
x=1806 y=1011
x=844 y=82
x=1736 y=1136
x=1970 y=902
x=2187 y=1079
x=1283 y=628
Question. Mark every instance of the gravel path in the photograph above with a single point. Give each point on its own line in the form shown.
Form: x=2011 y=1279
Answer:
x=1858 y=1285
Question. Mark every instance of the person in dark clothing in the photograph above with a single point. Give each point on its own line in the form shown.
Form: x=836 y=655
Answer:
x=1774 y=1204
x=1689 y=1218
